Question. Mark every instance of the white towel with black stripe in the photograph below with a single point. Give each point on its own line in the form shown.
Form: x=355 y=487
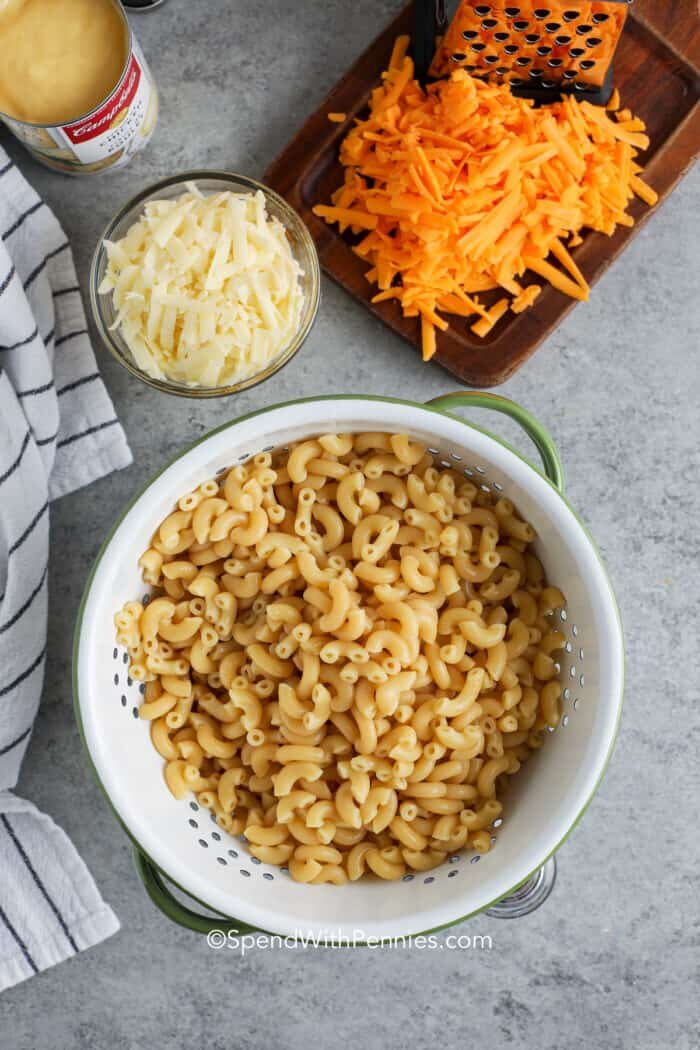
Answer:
x=58 y=431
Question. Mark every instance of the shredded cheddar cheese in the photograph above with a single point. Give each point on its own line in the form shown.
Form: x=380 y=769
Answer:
x=205 y=288
x=460 y=188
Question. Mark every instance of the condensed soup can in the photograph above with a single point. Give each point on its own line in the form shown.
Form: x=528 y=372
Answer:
x=107 y=136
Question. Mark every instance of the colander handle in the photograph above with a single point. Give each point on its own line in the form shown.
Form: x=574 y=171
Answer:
x=163 y=898
x=532 y=427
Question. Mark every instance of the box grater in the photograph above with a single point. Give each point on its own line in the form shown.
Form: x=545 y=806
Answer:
x=540 y=49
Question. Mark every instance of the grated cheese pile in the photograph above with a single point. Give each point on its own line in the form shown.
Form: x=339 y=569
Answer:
x=205 y=288
x=461 y=188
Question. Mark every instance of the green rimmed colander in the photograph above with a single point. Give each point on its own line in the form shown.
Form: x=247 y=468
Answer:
x=179 y=841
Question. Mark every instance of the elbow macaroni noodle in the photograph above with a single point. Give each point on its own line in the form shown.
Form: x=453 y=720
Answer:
x=348 y=652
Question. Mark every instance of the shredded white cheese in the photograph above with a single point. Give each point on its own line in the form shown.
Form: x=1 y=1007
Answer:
x=206 y=289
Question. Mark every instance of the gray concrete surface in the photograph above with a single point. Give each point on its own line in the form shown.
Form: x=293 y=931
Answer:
x=612 y=959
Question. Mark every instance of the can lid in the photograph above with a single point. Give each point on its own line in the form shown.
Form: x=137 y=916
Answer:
x=141 y=5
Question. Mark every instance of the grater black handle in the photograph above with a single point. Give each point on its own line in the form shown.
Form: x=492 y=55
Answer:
x=430 y=19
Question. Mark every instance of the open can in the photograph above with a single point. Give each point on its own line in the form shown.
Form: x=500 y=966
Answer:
x=107 y=136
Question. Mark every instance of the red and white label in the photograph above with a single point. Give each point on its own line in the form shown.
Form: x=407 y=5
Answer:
x=99 y=122
x=118 y=128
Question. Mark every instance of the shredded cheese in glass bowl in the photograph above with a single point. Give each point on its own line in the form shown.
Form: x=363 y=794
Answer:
x=205 y=284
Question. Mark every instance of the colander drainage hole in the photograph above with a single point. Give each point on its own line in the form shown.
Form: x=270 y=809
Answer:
x=142 y=688
x=567 y=693
x=576 y=703
x=244 y=873
x=408 y=878
x=194 y=806
x=193 y=823
x=430 y=878
x=565 y=721
x=123 y=700
x=475 y=860
x=255 y=860
x=232 y=853
x=203 y=843
x=116 y=679
x=115 y=653
x=497 y=822
x=216 y=836
x=125 y=658
x=268 y=876
x=134 y=712
x=451 y=874
x=222 y=860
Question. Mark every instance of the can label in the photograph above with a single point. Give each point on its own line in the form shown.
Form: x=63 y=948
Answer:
x=107 y=137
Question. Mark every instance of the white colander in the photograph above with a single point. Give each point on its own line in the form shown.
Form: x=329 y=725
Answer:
x=179 y=840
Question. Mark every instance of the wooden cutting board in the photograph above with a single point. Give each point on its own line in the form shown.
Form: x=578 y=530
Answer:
x=657 y=71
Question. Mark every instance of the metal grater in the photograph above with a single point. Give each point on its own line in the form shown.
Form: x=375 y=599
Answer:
x=541 y=49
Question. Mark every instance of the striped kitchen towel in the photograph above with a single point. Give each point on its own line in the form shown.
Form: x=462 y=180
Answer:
x=58 y=431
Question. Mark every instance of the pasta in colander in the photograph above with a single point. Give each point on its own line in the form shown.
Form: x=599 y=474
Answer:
x=348 y=651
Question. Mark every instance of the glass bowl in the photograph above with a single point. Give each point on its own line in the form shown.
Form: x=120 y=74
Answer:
x=301 y=243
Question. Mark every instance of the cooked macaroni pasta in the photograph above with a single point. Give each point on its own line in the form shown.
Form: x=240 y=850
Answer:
x=348 y=651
